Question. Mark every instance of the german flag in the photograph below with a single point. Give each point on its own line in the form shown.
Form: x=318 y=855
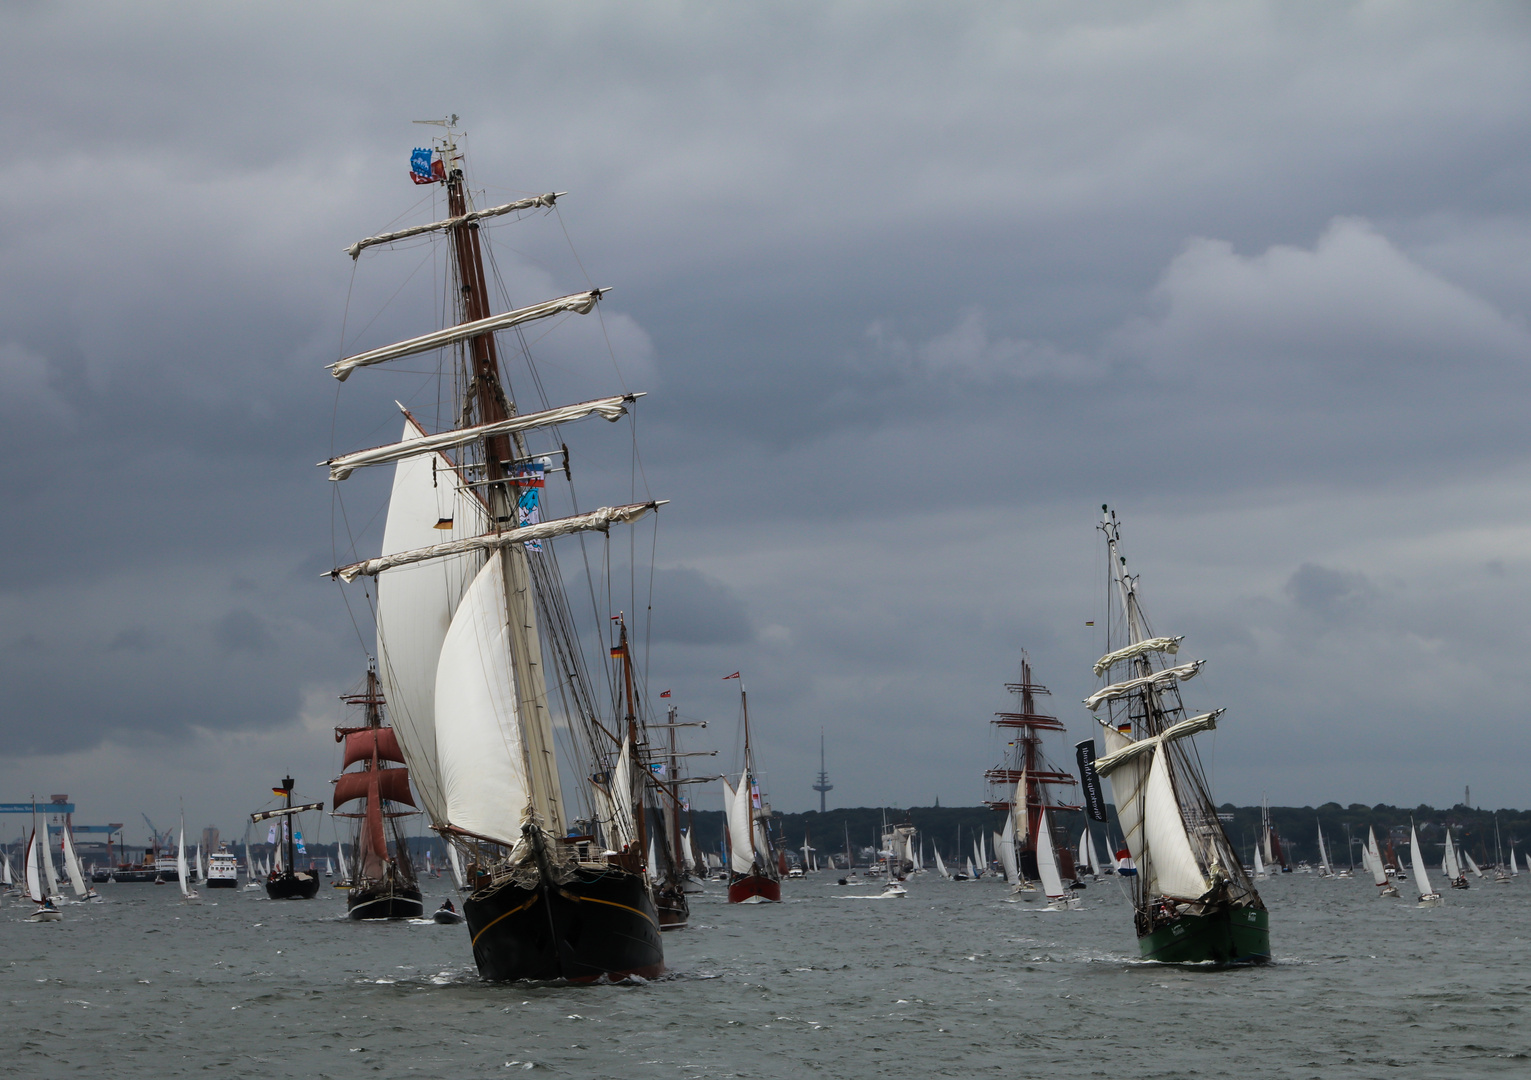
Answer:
x=279 y=791
x=618 y=651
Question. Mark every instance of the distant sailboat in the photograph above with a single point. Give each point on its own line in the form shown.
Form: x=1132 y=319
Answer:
x=1323 y=854
x=1259 y=865
x=77 y=882
x=182 y=871
x=1374 y=863
x=1059 y=898
x=45 y=912
x=755 y=877
x=940 y=866
x=1472 y=865
x=1428 y=897
x=1451 y=866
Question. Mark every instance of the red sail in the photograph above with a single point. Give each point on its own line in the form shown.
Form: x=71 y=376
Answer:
x=392 y=784
x=359 y=746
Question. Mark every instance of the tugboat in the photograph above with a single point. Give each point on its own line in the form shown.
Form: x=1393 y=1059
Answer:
x=286 y=882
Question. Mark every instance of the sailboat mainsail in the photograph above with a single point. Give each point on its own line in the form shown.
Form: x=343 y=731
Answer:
x=1376 y=865
x=72 y=868
x=473 y=627
x=1192 y=899
x=1428 y=897
x=183 y=869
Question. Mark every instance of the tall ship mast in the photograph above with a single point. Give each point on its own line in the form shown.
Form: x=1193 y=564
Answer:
x=473 y=627
x=754 y=864
x=383 y=884
x=285 y=881
x=1033 y=845
x=1192 y=901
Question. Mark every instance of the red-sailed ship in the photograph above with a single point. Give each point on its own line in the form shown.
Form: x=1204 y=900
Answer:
x=382 y=884
x=755 y=867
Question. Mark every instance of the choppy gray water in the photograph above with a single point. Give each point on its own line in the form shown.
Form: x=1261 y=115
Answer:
x=955 y=980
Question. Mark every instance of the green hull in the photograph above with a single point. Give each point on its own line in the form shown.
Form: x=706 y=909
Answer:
x=1228 y=936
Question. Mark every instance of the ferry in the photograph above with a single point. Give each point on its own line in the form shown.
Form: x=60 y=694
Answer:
x=222 y=870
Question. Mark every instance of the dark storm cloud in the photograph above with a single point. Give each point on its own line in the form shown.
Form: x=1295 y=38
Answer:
x=914 y=292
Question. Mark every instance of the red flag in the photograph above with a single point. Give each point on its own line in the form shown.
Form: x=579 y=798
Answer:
x=735 y=675
x=665 y=694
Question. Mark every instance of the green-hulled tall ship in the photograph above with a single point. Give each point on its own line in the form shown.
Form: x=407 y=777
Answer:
x=1192 y=901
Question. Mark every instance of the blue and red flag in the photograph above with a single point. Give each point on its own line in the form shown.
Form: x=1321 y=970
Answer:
x=422 y=170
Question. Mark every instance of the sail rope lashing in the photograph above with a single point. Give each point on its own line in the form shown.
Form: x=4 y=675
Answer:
x=601 y=519
x=1155 y=681
x=609 y=408
x=577 y=303
x=1169 y=645
x=545 y=201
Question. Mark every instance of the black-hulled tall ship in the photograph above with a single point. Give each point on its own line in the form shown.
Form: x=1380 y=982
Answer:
x=1193 y=902
x=473 y=625
x=286 y=881
x=754 y=862
x=382 y=884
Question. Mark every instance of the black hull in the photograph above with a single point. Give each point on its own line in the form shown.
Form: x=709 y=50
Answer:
x=222 y=883
x=600 y=923
x=292 y=886
x=381 y=901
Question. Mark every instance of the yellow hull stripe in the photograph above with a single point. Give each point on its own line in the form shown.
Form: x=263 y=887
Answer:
x=497 y=918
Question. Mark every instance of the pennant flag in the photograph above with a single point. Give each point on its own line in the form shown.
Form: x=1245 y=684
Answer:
x=735 y=675
x=665 y=694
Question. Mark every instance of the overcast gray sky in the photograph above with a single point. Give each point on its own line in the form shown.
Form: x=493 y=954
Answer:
x=914 y=290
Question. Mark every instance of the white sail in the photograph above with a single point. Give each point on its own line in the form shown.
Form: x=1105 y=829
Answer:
x=456 y=864
x=1127 y=791
x=1155 y=681
x=1449 y=865
x=1047 y=860
x=5 y=869
x=611 y=408
x=741 y=841
x=1169 y=645
x=1004 y=844
x=1259 y=863
x=651 y=865
x=532 y=202
x=977 y=852
x=983 y=849
x=579 y=303
x=340 y=855
x=940 y=866
x=1374 y=854
x=595 y=521
x=1173 y=864
x=481 y=754
x=201 y=868
x=624 y=831
x=1514 y=869
x=972 y=870
x=1470 y=864
x=415 y=605
x=1417 y=864
x=182 y=872
x=72 y=866
x=1323 y=854
x=48 y=870
x=34 y=886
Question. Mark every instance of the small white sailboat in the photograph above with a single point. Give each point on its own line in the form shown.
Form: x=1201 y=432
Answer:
x=183 y=871
x=940 y=866
x=1058 y=897
x=972 y=870
x=45 y=912
x=1259 y=865
x=1324 y=868
x=1374 y=863
x=1428 y=897
x=55 y=894
x=82 y=890
x=1472 y=865
x=1451 y=866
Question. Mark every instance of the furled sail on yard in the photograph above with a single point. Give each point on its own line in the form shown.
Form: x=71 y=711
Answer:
x=1192 y=898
